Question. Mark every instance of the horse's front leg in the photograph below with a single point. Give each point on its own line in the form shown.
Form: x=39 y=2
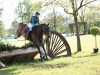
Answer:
x=37 y=45
x=44 y=52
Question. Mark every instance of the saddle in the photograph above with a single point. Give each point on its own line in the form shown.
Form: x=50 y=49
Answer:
x=27 y=31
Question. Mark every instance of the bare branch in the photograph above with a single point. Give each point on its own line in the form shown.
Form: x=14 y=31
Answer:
x=81 y=3
x=84 y=4
x=66 y=10
x=93 y=7
x=49 y=2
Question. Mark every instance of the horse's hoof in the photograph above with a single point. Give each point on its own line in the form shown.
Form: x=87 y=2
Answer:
x=41 y=60
x=46 y=59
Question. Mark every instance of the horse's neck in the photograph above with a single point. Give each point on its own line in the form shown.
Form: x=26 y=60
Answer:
x=38 y=32
x=23 y=31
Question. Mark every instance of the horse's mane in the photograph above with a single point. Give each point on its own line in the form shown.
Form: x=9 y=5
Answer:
x=35 y=28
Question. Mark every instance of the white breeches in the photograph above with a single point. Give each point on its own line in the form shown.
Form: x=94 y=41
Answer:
x=30 y=26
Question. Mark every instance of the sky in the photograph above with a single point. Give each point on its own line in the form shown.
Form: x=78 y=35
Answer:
x=8 y=12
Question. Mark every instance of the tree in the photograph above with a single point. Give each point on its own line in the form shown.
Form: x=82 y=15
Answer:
x=26 y=9
x=1 y=9
x=37 y=6
x=1 y=26
x=82 y=19
x=13 y=29
x=92 y=15
x=95 y=31
x=74 y=6
x=2 y=29
x=55 y=19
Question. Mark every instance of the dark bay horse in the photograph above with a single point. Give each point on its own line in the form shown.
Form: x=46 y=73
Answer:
x=35 y=36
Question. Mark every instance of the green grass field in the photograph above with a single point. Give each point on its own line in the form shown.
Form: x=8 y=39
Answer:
x=81 y=63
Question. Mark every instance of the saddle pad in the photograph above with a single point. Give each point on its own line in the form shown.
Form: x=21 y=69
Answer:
x=26 y=30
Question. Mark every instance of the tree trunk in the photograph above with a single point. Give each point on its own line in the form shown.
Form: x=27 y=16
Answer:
x=75 y=13
x=77 y=32
x=85 y=27
x=54 y=19
x=95 y=42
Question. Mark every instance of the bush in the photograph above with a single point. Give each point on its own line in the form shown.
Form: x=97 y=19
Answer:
x=28 y=45
x=9 y=47
x=94 y=31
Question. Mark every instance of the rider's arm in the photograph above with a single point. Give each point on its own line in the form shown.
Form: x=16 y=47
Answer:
x=32 y=20
x=38 y=22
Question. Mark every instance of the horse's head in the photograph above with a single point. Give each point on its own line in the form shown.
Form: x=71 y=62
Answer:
x=20 y=29
x=46 y=29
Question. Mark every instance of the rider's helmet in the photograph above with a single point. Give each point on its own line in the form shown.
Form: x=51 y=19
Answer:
x=37 y=13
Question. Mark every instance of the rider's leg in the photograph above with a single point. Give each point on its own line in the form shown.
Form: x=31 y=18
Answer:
x=28 y=30
x=30 y=26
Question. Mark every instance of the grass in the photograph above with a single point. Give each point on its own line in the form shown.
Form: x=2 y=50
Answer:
x=81 y=63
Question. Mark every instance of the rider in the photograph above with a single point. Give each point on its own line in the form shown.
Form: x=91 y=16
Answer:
x=33 y=22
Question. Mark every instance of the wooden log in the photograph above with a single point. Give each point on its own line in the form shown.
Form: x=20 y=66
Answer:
x=19 y=54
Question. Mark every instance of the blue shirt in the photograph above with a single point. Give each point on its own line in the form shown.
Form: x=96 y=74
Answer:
x=34 y=20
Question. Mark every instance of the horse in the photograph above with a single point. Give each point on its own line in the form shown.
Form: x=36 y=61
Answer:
x=35 y=36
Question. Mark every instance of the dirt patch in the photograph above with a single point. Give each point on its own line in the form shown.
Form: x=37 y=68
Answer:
x=46 y=66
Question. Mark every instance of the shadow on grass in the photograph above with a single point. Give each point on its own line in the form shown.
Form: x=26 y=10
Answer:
x=37 y=64
x=90 y=55
x=54 y=65
x=6 y=71
x=75 y=53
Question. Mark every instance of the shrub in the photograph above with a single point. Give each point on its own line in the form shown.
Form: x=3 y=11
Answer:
x=94 y=31
x=28 y=45
x=9 y=47
x=2 y=47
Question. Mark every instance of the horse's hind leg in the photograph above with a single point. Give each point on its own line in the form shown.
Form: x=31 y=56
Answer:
x=39 y=52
